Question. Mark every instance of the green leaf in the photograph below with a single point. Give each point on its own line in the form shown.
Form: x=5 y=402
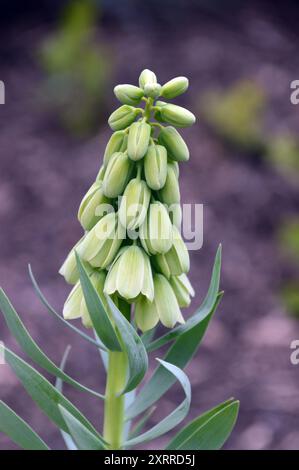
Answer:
x=60 y=317
x=29 y=346
x=99 y=317
x=201 y=313
x=142 y=422
x=84 y=439
x=43 y=392
x=59 y=386
x=133 y=346
x=209 y=431
x=174 y=418
x=18 y=430
x=180 y=353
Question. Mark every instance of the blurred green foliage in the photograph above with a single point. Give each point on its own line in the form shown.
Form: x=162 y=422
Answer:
x=77 y=69
x=237 y=114
x=290 y=298
x=283 y=153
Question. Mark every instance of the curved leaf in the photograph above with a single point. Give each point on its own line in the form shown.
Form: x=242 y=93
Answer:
x=201 y=313
x=29 y=346
x=174 y=418
x=133 y=347
x=180 y=353
x=56 y=314
x=18 y=430
x=84 y=439
x=209 y=431
x=99 y=317
x=43 y=392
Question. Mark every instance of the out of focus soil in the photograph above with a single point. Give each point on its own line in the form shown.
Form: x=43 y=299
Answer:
x=45 y=173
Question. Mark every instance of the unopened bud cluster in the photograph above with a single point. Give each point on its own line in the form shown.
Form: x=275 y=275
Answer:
x=132 y=247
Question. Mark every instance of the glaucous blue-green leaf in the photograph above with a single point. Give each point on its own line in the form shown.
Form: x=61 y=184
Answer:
x=201 y=313
x=84 y=439
x=18 y=430
x=209 y=431
x=58 y=316
x=29 y=346
x=43 y=392
x=174 y=418
x=180 y=353
x=99 y=317
x=59 y=386
x=142 y=422
x=133 y=347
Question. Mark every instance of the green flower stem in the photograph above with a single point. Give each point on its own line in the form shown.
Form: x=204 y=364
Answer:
x=148 y=109
x=114 y=403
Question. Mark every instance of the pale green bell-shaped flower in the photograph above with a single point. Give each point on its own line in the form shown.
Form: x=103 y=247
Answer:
x=69 y=267
x=122 y=117
x=102 y=243
x=75 y=305
x=116 y=143
x=155 y=166
x=138 y=140
x=93 y=206
x=147 y=77
x=176 y=261
x=134 y=204
x=175 y=87
x=174 y=143
x=128 y=94
x=177 y=115
x=164 y=307
x=170 y=193
x=130 y=274
x=156 y=231
x=183 y=289
x=116 y=175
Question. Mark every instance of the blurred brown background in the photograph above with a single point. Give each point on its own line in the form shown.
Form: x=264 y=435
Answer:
x=59 y=62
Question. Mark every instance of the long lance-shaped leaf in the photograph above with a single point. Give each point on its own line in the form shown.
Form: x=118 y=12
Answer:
x=201 y=313
x=43 y=392
x=29 y=346
x=57 y=315
x=99 y=317
x=84 y=439
x=174 y=418
x=209 y=431
x=133 y=347
x=59 y=386
x=142 y=422
x=18 y=430
x=180 y=353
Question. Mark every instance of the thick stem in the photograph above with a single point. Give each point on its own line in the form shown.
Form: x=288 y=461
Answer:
x=114 y=404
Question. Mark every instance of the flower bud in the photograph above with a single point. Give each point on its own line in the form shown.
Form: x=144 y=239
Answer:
x=175 y=145
x=175 y=215
x=134 y=204
x=152 y=90
x=147 y=77
x=155 y=166
x=170 y=193
x=69 y=268
x=138 y=140
x=182 y=289
x=130 y=274
x=156 y=230
x=177 y=115
x=89 y=212
x=164 y=307
x=157 y=113
x=128 y=94
x=122 y=117
x=175 y=87
x=176 y=261
x=117 y=175
x=101 y=173
x=117 y=143
x=101 y=244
